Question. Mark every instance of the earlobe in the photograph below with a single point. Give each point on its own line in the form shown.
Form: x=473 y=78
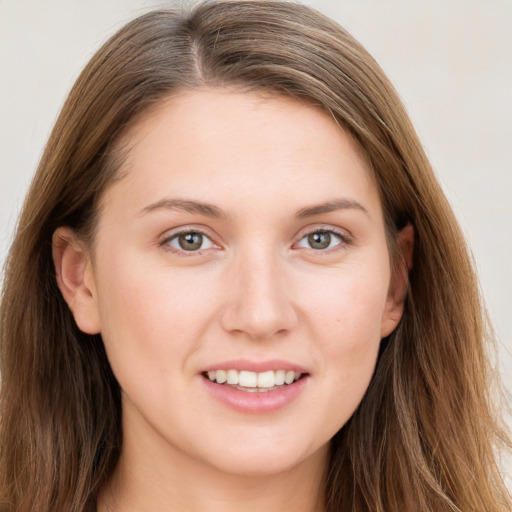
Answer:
x=75 y=278
x=399 y=283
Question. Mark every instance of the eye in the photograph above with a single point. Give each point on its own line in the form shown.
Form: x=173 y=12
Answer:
x=189 y=241
x=321 y=239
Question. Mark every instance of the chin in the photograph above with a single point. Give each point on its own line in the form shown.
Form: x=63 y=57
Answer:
x=258 y=458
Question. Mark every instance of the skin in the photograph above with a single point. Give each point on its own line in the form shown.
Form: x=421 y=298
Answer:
x=256 y=289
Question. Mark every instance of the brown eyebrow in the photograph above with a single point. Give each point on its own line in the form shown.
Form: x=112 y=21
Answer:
x=185 y=205
x=211 y=210
x=331 y=206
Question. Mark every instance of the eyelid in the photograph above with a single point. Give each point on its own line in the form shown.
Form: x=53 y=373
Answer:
x=345 y=237
x=170 y=234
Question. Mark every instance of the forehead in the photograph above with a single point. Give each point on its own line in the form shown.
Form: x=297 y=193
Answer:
x=221 y=144
x=198 y=114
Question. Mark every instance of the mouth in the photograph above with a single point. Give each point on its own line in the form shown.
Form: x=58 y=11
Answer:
x=252 y=387
x=254 y=382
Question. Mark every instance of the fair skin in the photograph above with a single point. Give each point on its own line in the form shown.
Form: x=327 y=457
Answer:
x=246 y=233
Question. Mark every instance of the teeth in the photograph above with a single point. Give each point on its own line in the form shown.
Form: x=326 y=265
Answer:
x=221 y=376
x=245 y=379
x=288 y=378
x=279 y=377
x=232 y=377
x=266 y=379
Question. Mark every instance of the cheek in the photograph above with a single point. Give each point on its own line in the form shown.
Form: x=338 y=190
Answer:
x=345 y=317
x=151 y=318
x=349 y=305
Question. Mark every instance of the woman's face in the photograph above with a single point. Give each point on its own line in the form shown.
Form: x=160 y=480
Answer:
x=244 y=241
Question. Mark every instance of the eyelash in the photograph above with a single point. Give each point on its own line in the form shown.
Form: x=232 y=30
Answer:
x=344 y=240
x=165 y=244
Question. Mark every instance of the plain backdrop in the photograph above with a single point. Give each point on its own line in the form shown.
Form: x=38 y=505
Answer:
x=451 y=61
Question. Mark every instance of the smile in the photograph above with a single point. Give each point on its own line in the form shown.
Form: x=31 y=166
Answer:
x=244 y=380
x=256 y=387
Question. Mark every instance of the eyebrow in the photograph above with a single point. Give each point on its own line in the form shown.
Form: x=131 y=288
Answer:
x=213 y=211
x=185 y=205
x=331 y=206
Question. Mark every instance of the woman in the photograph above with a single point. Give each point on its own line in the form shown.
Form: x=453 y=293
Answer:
x=236 y=282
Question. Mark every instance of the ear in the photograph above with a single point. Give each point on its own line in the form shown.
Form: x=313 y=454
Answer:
x=399 y=281
x=75 y=278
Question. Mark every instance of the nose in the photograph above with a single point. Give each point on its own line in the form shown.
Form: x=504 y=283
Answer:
x=259 y=302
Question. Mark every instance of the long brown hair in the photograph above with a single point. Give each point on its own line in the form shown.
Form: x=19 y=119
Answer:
x=424 y=436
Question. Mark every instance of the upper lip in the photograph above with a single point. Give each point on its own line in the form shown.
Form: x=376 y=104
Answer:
x=256 y=365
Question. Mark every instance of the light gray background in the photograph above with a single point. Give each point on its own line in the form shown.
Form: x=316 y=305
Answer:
x=451 y=61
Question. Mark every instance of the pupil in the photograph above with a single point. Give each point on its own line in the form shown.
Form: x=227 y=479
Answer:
x=190 y=241
x=319 y=240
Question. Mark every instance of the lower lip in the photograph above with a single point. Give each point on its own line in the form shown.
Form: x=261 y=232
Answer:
x=258 y=402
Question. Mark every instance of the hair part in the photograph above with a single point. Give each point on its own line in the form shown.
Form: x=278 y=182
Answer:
x=423 y=437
